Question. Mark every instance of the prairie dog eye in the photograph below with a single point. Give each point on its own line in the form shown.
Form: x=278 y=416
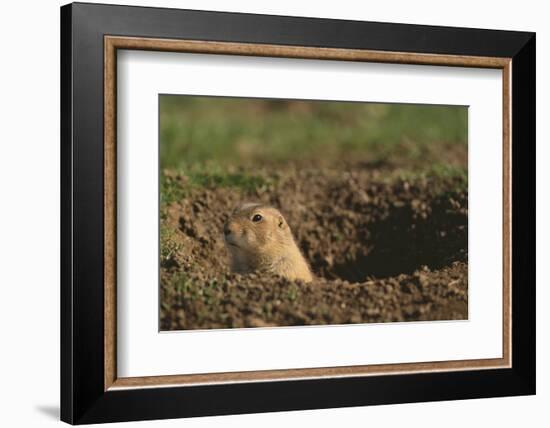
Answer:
x=257 y=218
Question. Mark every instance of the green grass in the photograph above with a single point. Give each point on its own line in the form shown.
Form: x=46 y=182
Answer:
x=442 y=178
x=438 y=171
x=171 y=189
x=217 y=132
x=174 y=185
x=168 y=246
x=220 y=179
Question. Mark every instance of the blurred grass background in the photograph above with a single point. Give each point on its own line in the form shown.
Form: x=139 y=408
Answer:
x=219 y=132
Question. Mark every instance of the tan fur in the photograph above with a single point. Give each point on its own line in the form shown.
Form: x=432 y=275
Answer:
x=263 y=246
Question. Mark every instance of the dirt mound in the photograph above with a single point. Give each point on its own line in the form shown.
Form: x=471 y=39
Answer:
x=383 y=248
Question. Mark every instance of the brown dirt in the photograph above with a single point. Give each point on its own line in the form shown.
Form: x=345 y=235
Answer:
x=383 y=248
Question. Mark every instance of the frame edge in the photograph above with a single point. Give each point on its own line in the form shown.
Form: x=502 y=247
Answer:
x=524 y=215
x=78 y=405
x=113 y=43
x=66 y=316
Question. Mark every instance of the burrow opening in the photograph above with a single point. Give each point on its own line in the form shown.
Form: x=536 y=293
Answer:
x=400 y=242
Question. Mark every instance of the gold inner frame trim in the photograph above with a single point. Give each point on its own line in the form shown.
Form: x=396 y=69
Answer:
x=113 y=43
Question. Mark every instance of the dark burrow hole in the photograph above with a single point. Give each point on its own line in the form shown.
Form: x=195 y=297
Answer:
x=400 y=243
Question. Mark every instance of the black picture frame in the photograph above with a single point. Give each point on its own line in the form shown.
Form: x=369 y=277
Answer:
x=83 y=398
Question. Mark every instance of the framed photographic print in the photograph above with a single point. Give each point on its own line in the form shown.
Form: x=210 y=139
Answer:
x=265 y=213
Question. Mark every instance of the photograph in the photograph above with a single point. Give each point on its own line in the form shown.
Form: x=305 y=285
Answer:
x=290 y=212
x=265 y=212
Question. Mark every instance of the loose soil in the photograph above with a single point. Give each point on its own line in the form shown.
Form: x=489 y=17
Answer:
x=383 y=248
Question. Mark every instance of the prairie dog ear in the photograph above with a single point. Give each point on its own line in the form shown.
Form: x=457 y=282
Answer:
x=281 y=221
x=244 y=206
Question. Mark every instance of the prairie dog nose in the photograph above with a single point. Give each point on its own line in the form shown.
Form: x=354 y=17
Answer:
x=226 y=229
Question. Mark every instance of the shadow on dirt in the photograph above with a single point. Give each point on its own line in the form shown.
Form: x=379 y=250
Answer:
x=403 y=242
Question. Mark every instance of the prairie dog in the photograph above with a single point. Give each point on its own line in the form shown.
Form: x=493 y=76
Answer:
x=259 y=239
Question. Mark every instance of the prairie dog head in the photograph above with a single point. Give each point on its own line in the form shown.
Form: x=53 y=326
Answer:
x=259 y=239
x=257 y=230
